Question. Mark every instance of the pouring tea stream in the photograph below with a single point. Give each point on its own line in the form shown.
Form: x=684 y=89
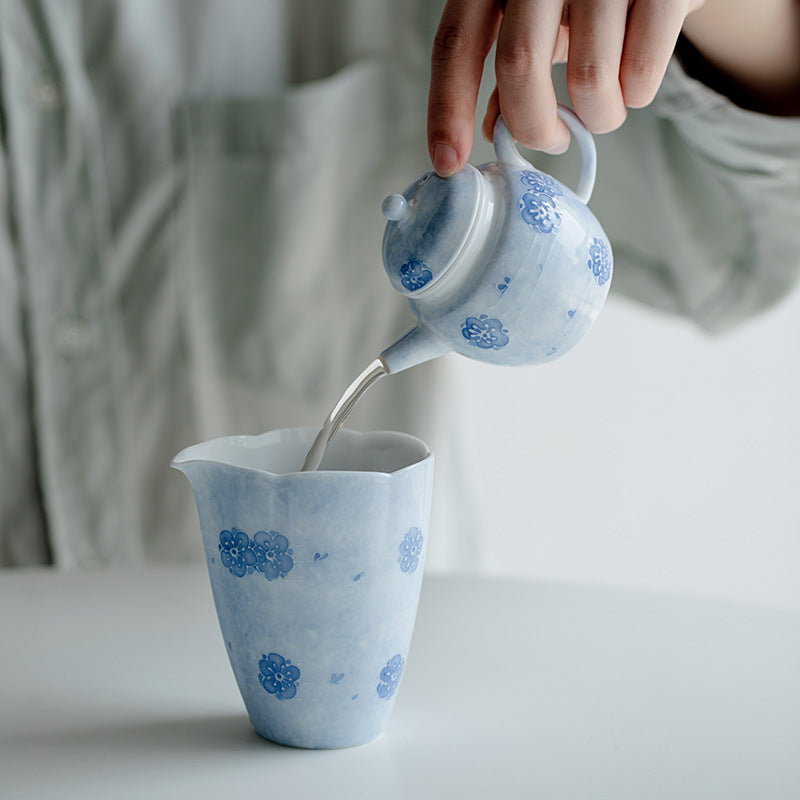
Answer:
x=500 y=263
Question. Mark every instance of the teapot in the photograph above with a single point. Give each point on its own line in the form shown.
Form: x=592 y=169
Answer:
x=501 y=263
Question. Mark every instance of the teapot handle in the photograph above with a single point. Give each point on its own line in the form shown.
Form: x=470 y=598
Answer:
x=507 y=152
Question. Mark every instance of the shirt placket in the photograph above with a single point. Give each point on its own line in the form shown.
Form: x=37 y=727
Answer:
x=55 y=156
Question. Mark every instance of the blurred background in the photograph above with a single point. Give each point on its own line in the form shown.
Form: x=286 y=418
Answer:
x=653 y=456
x=238 y=158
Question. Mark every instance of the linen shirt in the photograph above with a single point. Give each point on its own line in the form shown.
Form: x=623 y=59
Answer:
x=190 y=243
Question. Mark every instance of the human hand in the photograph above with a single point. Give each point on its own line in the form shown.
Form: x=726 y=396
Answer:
x=616 y=51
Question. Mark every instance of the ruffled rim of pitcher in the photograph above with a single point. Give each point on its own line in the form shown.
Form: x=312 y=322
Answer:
x=255 y=442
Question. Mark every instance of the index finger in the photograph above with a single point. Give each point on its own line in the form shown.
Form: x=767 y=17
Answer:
x=526 y=46
x=466 y=31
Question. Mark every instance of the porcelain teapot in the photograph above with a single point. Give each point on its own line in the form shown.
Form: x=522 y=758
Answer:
x=502 y=263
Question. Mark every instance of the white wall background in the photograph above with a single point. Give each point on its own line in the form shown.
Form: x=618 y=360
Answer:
x=651 y=456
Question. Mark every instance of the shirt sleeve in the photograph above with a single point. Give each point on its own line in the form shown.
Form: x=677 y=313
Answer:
x=701 y=200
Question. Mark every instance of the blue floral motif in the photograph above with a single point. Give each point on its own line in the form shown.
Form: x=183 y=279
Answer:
x=268 y=552
x=540 y=211
x=411 y=550
x=390 y=676
x=540 y=183
x=414 y=274
x=485 y=332
x=273 y=555
x=599 y=261
x=278 y=676
x=236 y=552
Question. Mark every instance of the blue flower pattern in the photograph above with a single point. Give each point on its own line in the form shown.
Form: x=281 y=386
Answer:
x=540 y=183
x=390 y=676
x=485 y=332
x=540 y=212
x=411 y=550
x=268 y=552
x=278 y=676
x=236 y=553
x=414 y=274
x=274 y=557
x=599 y=261
x=537 y=205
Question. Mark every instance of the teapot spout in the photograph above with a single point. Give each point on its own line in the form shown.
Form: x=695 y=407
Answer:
x=420 y=344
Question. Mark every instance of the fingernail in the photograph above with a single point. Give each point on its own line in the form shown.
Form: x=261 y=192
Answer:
x=558 y=149
x=445 y=159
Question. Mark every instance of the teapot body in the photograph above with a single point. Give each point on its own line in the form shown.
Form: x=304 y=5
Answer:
x=532 y=288
x=502 y=263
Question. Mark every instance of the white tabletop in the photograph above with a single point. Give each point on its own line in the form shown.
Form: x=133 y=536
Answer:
x=116 y=685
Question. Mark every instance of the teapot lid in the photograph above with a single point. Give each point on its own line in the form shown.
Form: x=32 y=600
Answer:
x=428 y=227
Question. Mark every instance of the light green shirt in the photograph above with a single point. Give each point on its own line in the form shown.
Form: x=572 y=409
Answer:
x=190 y=241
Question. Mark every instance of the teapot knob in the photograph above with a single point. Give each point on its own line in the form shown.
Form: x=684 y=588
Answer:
x=395 y=208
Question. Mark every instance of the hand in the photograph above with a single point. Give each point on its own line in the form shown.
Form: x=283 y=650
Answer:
x=616 y=51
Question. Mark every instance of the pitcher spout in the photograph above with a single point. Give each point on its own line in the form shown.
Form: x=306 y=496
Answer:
x=204 y=463
x=197 y=465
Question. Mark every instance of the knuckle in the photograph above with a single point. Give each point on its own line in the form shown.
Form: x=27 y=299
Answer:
x=451 y=42
x=589 y=78
x=638 y=69
x=516 y=64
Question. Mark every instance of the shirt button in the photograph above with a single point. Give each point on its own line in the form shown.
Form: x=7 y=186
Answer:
x=48 y=93
x=72 y=336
